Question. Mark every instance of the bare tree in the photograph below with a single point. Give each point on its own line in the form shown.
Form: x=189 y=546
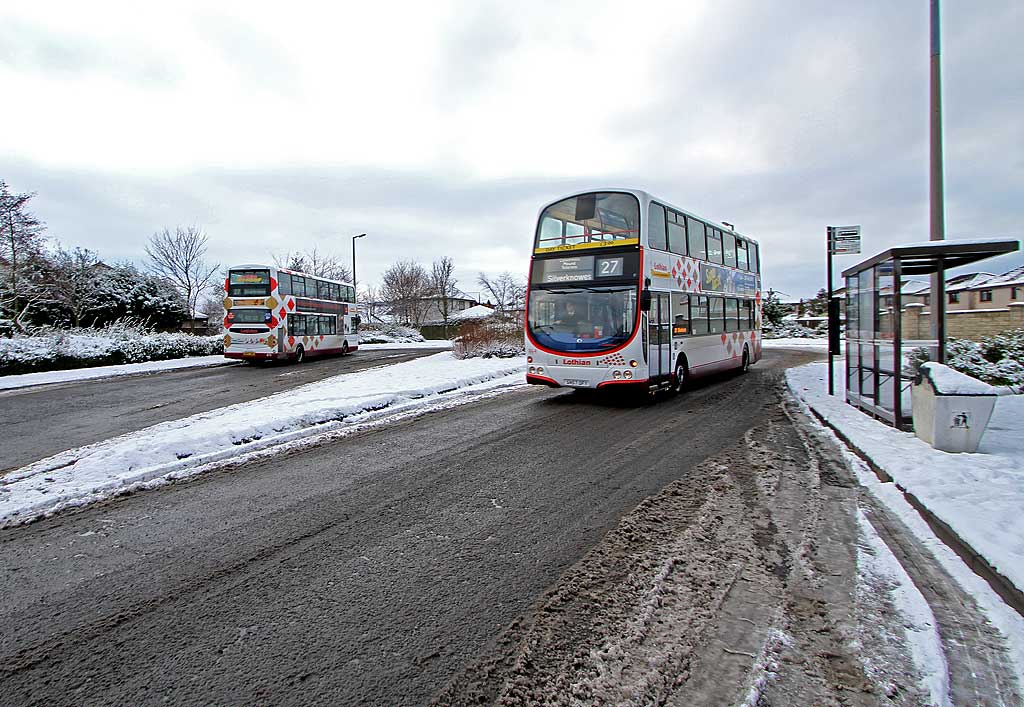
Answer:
x=507 y=291
x=405 y=285
x=23 y=241
x=442 y=285
x=179 y=257
x=313 y=262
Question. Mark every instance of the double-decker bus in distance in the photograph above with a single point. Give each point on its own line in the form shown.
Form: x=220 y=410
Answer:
x=626 y=289
x=274 y=313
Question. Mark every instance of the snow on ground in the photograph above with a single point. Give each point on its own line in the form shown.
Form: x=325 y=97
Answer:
x=425 y=344
x=87 y=474
x=796 y=343
x=979 y=495
x=878 y=567
x=127 y=369
x=79 y=374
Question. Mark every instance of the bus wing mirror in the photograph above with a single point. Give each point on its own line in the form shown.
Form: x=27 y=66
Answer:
x=645 y=301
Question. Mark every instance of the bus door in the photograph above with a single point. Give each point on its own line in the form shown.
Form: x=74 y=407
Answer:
x=659 y=336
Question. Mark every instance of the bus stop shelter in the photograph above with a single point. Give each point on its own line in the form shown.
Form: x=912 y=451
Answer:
x=876 y=378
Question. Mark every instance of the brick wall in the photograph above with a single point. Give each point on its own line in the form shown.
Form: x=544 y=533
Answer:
x=962 y=324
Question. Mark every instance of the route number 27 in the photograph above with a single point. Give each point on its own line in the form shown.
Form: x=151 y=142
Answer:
x=609 y=267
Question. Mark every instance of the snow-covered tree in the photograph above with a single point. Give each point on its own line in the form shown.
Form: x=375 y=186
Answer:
x=21 y=250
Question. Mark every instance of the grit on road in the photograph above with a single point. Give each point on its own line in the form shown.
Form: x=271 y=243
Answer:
x=441 y=559
x=44 y=420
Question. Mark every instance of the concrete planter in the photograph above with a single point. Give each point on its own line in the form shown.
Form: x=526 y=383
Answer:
x=951 y=410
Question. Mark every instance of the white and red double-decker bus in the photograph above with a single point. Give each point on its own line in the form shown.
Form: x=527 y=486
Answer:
x=626 y=289
x=274 y=313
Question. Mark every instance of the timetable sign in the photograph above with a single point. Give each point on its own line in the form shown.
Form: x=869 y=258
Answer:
x=844 y=240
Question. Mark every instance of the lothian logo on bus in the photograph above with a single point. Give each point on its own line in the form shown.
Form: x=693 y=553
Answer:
x=575 y=362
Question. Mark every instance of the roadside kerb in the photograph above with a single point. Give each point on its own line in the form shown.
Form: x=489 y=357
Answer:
x=1000 y=584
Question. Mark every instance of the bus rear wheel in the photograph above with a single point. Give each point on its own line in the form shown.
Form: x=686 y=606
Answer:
x=300 y=354
x=682 y=376
x=344 y=347
x=745 y=366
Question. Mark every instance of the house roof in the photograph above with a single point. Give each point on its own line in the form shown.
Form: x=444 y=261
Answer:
x=968 y=281
x=477 y=312
x=1014 y=277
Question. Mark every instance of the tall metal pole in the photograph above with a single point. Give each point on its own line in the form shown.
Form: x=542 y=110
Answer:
x=829 y=236
x=937 y=208
x=354 y=285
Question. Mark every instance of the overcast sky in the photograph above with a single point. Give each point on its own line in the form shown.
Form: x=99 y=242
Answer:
x=439 y=128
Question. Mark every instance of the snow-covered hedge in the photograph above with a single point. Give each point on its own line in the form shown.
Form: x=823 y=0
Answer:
x=497 y=337
x=997 y=360
x=388 y=334
x=57 y=350
x=790 y=330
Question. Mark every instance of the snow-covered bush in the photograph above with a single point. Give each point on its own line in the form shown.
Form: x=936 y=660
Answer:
x=997 y=360
x=790 y=330
x=496 y=337
x=388 y=334
x=121 y=342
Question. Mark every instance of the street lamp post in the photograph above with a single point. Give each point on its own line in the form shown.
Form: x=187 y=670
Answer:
x=354 y=285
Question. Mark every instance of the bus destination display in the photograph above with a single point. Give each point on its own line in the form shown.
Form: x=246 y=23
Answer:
x=581 y=268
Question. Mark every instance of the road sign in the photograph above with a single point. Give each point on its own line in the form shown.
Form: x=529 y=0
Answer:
x=844 y=240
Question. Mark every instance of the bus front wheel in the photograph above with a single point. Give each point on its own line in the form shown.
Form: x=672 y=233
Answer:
x=344 y=347
x=745 y=366
x=682 y=375
x=300 y=354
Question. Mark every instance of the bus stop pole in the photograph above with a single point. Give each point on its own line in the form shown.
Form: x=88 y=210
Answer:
x=828 y=249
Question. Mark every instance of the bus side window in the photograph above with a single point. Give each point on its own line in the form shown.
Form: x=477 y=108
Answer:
x=714 y=245
x=716 y=315
x=741 y=254
x=656 y=227
x=284 y=284
x=695 y=238
x=677 y=233
x=681 y=315
x=729 y=248
x=699 y=314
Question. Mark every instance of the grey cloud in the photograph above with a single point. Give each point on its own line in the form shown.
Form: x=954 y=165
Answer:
x=26 y=47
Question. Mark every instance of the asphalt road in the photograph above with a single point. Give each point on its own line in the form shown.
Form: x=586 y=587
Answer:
x=44 y=420
x=365 y=571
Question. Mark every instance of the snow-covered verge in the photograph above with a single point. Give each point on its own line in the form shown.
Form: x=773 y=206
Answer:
x=25 y=380
x=57 y=350
x=979 y=495
x=997 y=360
x=817 y=344
x=425 y=344
x=388 y=334
x=80 y=476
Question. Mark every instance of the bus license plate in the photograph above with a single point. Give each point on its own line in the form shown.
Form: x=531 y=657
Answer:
x=576 y=381
x=249 y=353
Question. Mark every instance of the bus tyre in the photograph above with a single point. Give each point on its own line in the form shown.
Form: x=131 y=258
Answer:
x=682 y=376
x=745 y=365
x=300 y=354
x=344 y=347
